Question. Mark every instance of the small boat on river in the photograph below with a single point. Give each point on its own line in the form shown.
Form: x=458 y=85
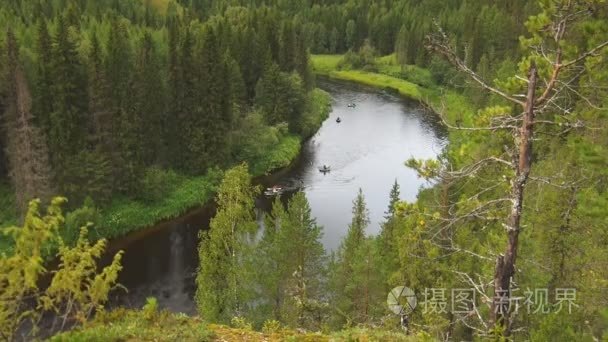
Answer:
x=274 y=191
x=325 y=169
x=352 y=105
x=338 y=120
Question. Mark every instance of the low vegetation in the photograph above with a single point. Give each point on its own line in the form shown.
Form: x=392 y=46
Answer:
x=141 y=326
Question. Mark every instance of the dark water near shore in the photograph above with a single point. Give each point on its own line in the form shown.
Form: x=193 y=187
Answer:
x=366 y=150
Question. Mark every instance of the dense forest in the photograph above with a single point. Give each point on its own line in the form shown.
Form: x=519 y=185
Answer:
x=118 y=92
x=111 y=103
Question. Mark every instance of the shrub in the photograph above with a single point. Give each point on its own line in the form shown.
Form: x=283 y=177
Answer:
x=364 y=59
x=86 y=216
x=150 y=309
x=271 y=326
x=156 y=184
x=241 y=323
x=77 y=288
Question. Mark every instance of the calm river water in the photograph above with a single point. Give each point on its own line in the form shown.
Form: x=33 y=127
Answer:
x=366 y=150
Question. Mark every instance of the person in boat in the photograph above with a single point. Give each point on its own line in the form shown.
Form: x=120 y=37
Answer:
x=338 y=119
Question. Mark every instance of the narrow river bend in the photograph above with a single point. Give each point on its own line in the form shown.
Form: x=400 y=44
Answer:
x=366 y=150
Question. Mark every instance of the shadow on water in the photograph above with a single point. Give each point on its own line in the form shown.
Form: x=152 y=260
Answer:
x=366 y=150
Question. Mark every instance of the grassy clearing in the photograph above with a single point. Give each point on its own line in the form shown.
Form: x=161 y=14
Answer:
x=404 y=88
x=328 y=65
x=325 y=64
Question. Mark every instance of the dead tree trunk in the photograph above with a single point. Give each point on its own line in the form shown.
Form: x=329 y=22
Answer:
x=505 y=264
x=26 y=149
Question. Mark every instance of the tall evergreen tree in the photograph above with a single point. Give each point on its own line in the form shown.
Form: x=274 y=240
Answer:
x=127 y=132
x=350 y=300
x=43 y=95
x=69 y=116
x=149 y=103
x=303 y=255
x=270 y=263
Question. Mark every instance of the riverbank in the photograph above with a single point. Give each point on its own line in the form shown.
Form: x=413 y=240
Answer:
x=125 y=215
x=410 y=81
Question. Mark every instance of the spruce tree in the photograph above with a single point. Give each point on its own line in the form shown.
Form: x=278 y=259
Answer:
x=69 y=117
x=303 y=255
x=271 y=268
x=149 y=101
x=43 y=95
x=348 y=283
x=127 y=132
x=173 y=135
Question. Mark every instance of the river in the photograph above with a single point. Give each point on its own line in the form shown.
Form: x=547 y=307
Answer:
x=366 y=150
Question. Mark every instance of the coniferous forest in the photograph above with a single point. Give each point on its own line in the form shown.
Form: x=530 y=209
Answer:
x=116 y=115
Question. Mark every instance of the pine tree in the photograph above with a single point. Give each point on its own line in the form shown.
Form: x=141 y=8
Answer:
x=401 y=46
x=350 y=300
x=43 y=99
x=29 y=167
x=288 y=47
x=334 y=40
x=351 y=32
x=101 y=120
x=173 y=135
x=127 y=132
x=388 y=240
x=281 y=98
x=302 y=63
x=69 y=117
x=271 y=266
x=210 y=121
x=303 y=255
x=238 y=90
x=393 y=200
x=223 y=283
x=149 y=101
x=217 y=118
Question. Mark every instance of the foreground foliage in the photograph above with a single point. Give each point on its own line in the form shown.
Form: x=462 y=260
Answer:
x=149 y=325
x=77 y=288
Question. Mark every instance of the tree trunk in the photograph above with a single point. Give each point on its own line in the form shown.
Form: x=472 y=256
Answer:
x=505 y=264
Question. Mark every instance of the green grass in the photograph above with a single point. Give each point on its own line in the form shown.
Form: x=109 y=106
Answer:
x=125 y=215
x=325 y=64
x=328 y=65
x=404 y=88
x=124 y=325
